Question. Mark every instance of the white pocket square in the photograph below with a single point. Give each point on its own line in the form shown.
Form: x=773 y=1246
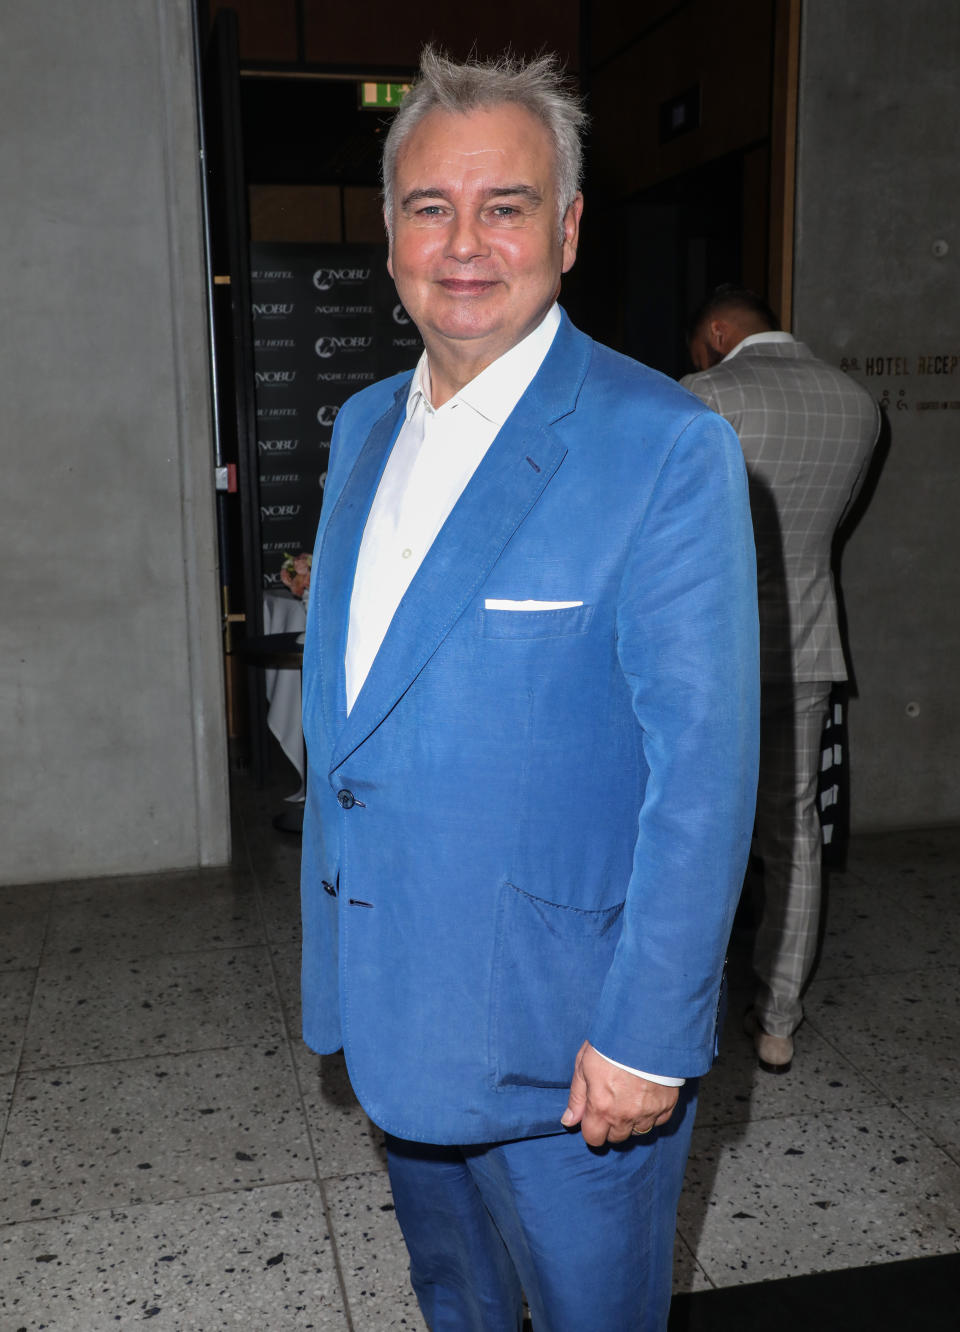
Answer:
x=494 y=603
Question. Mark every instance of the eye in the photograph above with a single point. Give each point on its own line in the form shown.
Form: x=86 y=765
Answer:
x=421 y=210
x=506 y=211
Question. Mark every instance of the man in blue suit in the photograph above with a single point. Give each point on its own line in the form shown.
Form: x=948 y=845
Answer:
x=530 y=705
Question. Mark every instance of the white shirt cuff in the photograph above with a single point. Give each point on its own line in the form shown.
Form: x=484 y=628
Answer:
x=649 y=1077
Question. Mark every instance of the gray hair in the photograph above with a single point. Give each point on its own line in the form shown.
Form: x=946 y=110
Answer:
x=540 y=87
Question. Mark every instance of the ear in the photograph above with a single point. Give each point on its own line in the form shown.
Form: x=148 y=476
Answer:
x=571 y=232
x=718 y=334
x=386 y=227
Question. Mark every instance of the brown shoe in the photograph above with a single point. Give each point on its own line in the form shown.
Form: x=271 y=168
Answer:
x=774 y=1053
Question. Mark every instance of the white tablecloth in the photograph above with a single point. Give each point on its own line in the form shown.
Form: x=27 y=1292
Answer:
x=283 y=614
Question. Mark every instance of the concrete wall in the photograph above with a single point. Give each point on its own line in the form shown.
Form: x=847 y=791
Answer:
x=112 y=745
x=876 y=284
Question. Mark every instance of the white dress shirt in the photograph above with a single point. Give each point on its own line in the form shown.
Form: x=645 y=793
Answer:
x=435 y=455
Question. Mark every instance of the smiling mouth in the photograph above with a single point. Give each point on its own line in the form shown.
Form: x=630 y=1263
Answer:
x=466 y=286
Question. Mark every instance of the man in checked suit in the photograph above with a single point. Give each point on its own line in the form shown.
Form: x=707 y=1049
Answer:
x=807 y=433
x=531 y=710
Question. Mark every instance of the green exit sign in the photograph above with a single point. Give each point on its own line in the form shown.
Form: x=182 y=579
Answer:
x=388 y=95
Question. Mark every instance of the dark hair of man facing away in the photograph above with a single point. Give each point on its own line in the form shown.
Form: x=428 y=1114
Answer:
x=726 y=317
x=740 y=302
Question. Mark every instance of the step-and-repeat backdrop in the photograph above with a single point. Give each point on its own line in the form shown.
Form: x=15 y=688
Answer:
x=326 y=322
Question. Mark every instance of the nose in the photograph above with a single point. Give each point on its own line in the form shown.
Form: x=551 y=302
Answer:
x=466 y=239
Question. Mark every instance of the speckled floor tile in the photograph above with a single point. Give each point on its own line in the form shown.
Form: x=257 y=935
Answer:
x=344 y=1139
x=108 y=1135
x=688 y=1275
x=373 y=1256
x=277 y=872
x=88 y=1009
x=851 y=1158
x=286 y=961
x=23 y=924
x=933 y=905
x=905 y=865
x=781 y=1197
x=865 y=935
x=7 y=1081
x=903 y=1029
x=821 y=1081
x=259 y=1261
x=157 y=914
x=16 y=993
x=939 y=1118
x=919 y=850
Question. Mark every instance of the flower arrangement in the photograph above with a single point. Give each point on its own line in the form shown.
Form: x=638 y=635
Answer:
x=295 y=572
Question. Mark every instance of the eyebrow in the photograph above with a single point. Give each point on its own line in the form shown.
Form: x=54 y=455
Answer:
x=495 y=192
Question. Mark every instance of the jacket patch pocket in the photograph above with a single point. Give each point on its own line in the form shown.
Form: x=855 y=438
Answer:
x=534 y=623
x=549 y=966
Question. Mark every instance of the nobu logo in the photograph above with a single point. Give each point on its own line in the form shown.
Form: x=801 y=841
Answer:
x=325 y=278
x=278 y=445
x=400 y=315
x=275 y=376
x=327 y=415
x=327 y=347
x=280 y=510
x=270 y=309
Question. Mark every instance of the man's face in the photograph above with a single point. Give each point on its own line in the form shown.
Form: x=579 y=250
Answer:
x=476 y=252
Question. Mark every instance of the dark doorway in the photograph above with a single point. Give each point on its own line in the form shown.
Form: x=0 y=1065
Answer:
x=652 y=258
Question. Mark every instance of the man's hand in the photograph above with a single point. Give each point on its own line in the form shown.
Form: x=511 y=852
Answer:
x=610 y=1104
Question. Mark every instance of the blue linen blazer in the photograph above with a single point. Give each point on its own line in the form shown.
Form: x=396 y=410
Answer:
x=532 y=827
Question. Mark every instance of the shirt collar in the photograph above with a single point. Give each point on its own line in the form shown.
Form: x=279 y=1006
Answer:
x=753 y=339
x=496 y=390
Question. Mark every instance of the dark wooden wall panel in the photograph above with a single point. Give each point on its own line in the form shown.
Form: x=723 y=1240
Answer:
x=613 y=26
x=726 y=50
x=268 y=28
x=295 y=213
x=390 y=35
x=363 y=214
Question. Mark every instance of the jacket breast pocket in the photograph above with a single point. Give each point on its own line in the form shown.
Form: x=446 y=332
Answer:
x=550 y=962
x=534 y=623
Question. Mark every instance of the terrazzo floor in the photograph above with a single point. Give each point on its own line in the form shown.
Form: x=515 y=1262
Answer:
x=173 y=1154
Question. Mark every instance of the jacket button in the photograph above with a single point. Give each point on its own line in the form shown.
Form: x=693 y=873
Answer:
x=328 y=887
x=346 y=798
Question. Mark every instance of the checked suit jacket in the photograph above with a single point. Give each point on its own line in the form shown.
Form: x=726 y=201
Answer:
x=807 y=432
x=531 y=828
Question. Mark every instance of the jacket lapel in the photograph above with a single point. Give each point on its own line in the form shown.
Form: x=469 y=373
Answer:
x=337 y=559
x=516 y=469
